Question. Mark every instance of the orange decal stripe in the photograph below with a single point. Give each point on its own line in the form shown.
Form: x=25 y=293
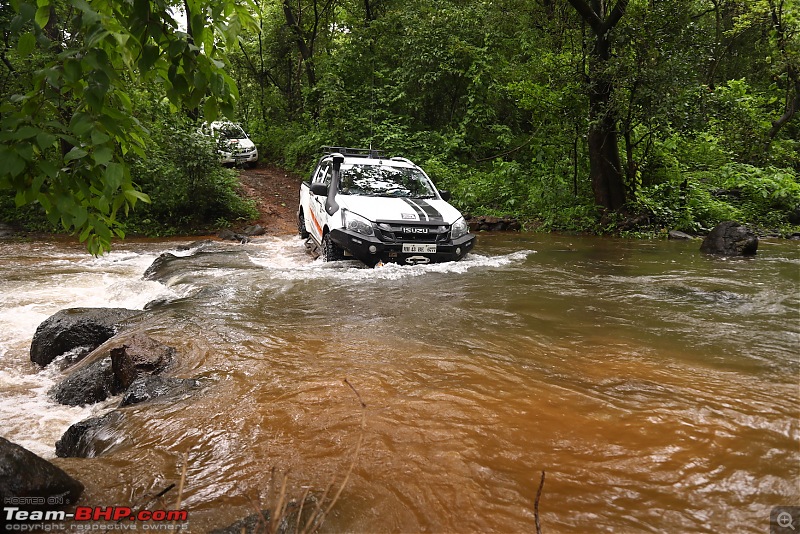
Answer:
x=315 y=221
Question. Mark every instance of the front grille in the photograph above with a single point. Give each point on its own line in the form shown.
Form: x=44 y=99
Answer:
x=416 y=233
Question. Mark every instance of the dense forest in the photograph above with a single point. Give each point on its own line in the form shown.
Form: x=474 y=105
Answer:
x=632 y=116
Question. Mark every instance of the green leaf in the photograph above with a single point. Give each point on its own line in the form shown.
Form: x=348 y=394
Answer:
x=81 y=123
x=26 y=132
x=42 y=15
x=150 y=54
x=99 y=137
x=26 y=44
x=75 y=153
x=114 y=175
x=48 y=168
x=133 y=195
x=13 y=164
x=45 y=140
x=210 y=110
x=103 y=155
x=72 y=70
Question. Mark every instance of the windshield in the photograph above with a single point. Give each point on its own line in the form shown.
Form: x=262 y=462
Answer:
x=231 y=131
x=385 y=181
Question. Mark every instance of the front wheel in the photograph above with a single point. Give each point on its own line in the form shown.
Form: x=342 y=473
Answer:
x=330 y=251
x=301 y=225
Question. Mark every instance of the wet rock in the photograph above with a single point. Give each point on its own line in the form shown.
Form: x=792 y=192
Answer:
x=24 y=474
x=87 y=385
x=168 y=267
x=254 y=230
x=135 y=357
x=230 y=235
x=139 y=356
x=6 y=231
x=730 y=238
x=159 y=265
x=493 y=224
x=91 y=437
x=76 y=328
x=679 y=236
x=196 y=244
x=148 y=388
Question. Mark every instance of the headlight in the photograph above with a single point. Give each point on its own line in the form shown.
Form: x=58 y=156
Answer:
x=357 y=223
x=459 y=228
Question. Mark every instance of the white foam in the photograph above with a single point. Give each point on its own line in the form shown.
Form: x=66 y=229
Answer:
x=287 y=259
x=54 y=282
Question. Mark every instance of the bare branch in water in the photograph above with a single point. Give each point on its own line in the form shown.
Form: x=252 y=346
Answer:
x=536 y=505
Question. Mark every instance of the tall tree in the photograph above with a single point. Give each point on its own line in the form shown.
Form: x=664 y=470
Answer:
x=606 y=171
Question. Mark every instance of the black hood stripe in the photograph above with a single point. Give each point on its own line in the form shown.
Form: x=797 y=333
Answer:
x=431 y=212
x=421 y=215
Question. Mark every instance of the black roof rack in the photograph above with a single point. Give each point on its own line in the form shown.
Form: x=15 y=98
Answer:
x=354 y=152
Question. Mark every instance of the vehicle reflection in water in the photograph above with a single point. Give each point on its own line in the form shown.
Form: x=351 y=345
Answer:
x=656 y=386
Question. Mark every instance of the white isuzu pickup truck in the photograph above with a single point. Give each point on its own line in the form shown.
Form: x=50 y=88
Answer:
x=358 y=203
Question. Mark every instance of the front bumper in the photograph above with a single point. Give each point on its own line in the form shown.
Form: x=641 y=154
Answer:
x=227 y=158
x=371 y=250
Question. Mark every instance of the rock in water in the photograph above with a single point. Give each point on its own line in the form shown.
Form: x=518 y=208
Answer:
x=24 y=474
x=74 y=328
x=87 y=385
x=90 y=437
x=730 y=238
x=139 y=356
x=148 y=388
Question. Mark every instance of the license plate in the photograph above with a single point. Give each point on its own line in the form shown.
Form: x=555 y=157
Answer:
x=418 y=248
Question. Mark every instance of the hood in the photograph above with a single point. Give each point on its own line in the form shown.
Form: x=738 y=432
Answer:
x=245 y=144
x=399 y=209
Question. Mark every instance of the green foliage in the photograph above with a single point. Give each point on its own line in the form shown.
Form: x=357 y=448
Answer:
x=191 y=191
x=65 y=138
x=491 y=98
x=702 y=199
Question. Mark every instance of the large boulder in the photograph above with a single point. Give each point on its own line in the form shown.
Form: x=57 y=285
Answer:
x=26 y=479
x=730 y=238
x=90 y=437
x=76 y=330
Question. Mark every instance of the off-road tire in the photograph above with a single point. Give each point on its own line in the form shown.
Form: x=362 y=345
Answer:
x=301 y=225
x=330 y=250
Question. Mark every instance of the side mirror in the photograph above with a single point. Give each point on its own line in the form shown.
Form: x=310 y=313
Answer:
x=319 y=189
x=445 y=195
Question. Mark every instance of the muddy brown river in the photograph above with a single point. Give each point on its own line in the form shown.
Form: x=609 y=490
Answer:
x=657 y=387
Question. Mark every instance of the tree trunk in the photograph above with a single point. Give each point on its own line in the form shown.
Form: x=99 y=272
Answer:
x=605 y=167
x=306 y=53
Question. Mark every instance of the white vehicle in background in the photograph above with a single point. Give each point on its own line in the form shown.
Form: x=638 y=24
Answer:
x=360 y=204
x=233 y=144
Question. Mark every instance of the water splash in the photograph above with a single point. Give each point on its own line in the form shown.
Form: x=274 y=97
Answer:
x=287 y=259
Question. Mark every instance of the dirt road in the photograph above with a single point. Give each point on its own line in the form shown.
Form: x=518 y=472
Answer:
x=276 y=192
